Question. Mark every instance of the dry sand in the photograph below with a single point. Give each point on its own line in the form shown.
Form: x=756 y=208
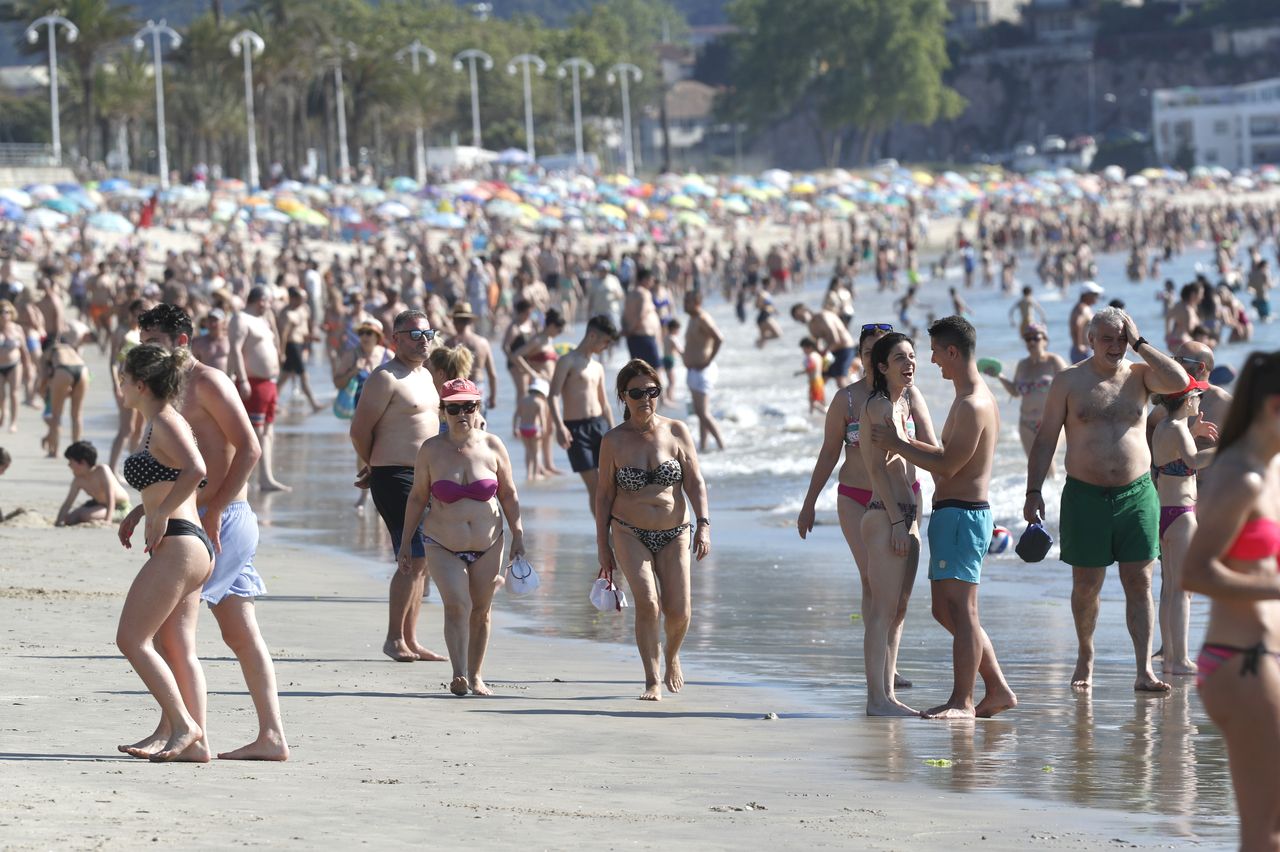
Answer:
x=561 y=756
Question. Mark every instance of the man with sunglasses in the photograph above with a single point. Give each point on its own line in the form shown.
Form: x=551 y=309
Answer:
x=827 y=328
x=398 y=410
x=1197 y=360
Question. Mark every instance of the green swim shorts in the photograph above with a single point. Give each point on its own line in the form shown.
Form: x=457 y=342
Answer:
x=1101 y=525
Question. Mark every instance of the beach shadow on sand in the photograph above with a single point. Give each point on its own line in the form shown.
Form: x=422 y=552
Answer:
x=659 y=714
x=91 y=758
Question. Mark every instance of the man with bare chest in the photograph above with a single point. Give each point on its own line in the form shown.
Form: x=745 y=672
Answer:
x=398 y=410
x=213 y=348
x=578 y=387
x=254 y=364
x=702 y=344
x=1110 y=510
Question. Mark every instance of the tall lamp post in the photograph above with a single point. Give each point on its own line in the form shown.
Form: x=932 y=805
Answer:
x=525 y=60
x=249 y=44
x=471 y=57
x=413 y=51
x=340 y=106
x=154 y=31
x=578 y=67
x=33 y=36
x=625 y=73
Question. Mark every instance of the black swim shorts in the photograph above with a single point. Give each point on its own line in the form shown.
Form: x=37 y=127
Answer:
x=389 y=485
x=584 y=448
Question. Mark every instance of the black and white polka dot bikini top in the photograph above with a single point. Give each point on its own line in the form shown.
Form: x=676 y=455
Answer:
x=142 y=469
x=634 y=478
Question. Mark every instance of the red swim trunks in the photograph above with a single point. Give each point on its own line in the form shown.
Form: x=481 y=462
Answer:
x=261 y=404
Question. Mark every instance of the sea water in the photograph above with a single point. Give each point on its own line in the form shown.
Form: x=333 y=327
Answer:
x=770 y=607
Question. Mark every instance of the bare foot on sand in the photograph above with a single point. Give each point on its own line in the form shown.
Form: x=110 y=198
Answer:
x=554 y=471
x=900 y=682
x=892 y=707
x=949 y=711
x=652 y=692
x=478 y=687
x=994 y=703
x=1183 y=667
x=426 y=655
x=1148 y=682
x=268 y=487
x=147 y=746
x=674 y=678
x=1082 y=677
x=187 y=746
x=458 y=686
x=397 y=650
x=266 y=747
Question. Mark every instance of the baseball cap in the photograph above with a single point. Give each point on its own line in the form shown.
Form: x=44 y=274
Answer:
x=459 y=389
x=1091 y=287
x=540 y=386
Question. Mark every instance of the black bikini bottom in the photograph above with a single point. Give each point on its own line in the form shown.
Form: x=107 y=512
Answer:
x=177 y=526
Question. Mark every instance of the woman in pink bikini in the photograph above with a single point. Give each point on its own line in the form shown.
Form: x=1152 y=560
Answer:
x=465 y=476
x=843 y=430
x=1232 y=560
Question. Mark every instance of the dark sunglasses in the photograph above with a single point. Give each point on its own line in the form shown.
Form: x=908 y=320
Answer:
x=416 y=334
x=652 y=392
x=1031 y=338
x=368 y=332
x=456 y=408
x=878 y=326
x=1190 y=363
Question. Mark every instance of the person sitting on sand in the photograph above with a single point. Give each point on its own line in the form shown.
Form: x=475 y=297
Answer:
x=465 y=476
x=163 y=603
x=107 y=500
x=644 y=463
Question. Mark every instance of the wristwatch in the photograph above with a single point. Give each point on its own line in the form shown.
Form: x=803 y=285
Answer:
x=704 y=522
x=1138 y=343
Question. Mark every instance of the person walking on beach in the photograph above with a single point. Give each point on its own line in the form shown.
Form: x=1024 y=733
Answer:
x=1078 y=323
x=961 y=524
x=537 y=359
x=483 y=371
x=465 y=476
x=229 y=448
x=397 y=412
x=640 y=520
x=157 y=631
x=702 y=344
x=827 y=328
x=843 y=429
x=64 y=378
x=1231 y=559
x=579 y=403
x=1110 y=510
x=1029 y=312
x=254 y=364
x=295 y=331
x=640 y=321
x=1031 y=380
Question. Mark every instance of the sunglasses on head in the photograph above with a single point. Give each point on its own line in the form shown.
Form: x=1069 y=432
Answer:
x=652 y=392
x=1190 y=363
x=878 y=326
x=456 y=408
x=416 y=334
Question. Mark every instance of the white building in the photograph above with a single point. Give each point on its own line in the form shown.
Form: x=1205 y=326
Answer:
x=1233 y=126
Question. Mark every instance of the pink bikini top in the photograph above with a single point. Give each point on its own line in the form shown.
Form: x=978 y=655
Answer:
x=448 y=491
x=1258 y=539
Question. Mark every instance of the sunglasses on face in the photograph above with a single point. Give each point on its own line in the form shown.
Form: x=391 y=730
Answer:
x=417 y=334
x=878 y=326
x=1190 y=363
x=651 y=392
x=368 y=332
x=456 y=408
x=1032 y=338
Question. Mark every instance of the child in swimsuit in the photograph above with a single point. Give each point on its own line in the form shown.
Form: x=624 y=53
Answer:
x=529 y=423
x=812 y=371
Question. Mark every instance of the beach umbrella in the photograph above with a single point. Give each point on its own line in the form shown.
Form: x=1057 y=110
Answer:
x=445 y=221
x=42 y=192
x=636 y=206
x=691 y=218
x=17 y=197
x=307 y=216
x=699 y=189
x=271 y=215
x=549 y=223
x=316 y=194
x=1138 y=181
x=1113 y=174
x=404 y=184
x=804 y=188
x=507 y=194
x=112 y=223
x=232 y=185
x=611 y=211
x=61 y=205
x=514 y=157
x=1242 y=182
x=289 y=205
x=528 y=211
x=777 y=177
x=500 y=208
x=737 y=206
x=800 y=207
x=43 y=217
x=114 y=185
x=10 y=211
x=371 y=195
x=682 y=202
x=393 y=210
x=347 y=214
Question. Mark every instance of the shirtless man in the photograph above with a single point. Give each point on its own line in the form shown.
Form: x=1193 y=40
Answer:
x=230 y=450
x=1183 y=318
x=106 y=496
x=1110 y=510
x=100 y=296
x=398 y=410
x=960 y=527
x=1078 y=323
x=1197 y=360
x=832 y=336
x=702 y=343
x=483 y=371
x=254 y=365
x=295 y=330
x=578 y=386
x=1029 y=312
x=213 y=348
x=641 y=323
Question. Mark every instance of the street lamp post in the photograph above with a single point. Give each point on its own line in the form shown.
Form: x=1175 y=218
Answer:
x=579 y=67
x=340 y=106
x=155 y=31
x=413 y=51
x=249 y=44
x=33 y=36
x=525 y=60
x=625 y=73
x=471 y=56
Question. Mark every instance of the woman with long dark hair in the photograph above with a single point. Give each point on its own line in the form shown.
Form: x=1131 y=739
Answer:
x=1232 y=560
x=641 y=526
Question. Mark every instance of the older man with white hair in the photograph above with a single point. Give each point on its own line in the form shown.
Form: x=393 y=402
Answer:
x=1110 y=511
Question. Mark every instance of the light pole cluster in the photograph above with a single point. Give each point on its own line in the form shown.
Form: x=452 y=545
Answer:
x=249 y=44
x=154 y=31
x=52 y=22
x=414 y=51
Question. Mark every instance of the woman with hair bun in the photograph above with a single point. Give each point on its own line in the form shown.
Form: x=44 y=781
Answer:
x=641 y=525
x=164 y=601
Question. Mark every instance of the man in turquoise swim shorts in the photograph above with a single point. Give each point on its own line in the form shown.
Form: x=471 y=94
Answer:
x=960 y=527
x=1110 y=511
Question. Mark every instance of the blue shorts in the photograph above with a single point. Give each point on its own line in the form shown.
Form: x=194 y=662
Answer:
x=233 y=571
x=645 y=347
x=841 y=361
x=959 y=536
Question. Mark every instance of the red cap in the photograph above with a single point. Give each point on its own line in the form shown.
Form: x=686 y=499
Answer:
x=459 y=389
